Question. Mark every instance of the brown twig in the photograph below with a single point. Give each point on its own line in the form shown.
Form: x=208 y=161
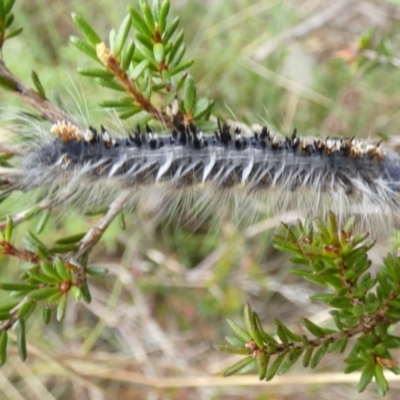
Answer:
x=24 y=255
x=32 y=98
x=112 y=64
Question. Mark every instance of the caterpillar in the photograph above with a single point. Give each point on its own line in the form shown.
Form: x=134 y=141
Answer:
x=251 y=174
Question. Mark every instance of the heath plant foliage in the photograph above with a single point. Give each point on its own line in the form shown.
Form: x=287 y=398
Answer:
x=143 y=65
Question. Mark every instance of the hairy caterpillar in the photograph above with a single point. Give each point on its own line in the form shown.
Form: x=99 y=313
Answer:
x=190 y=169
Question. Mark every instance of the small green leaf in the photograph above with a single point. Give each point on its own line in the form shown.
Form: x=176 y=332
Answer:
x=131 y=111
x=148 y=16
x=75 y=293
x=86 y=293
x=13 y=33
x=35 y=240
x=43 y=293
x=175 y=47
x=122 y=34
x=111 y=40
x=96 y=271
x=71 y=239
x=189 y=95
x=43 y=278
x=26 y=310
x=273 y=369
x=127 y=57
x=262 y=365
x=240 y=333
x=292 y=357
x=46 y=314
x=21 y=339
x=95 y=72
x=62 y=305
x=145 y=48
x=84 y=47
x=233 y=369
x=287 y=332
x=155 y=8
x=63 y=248
x=181 y=67
x=121 y=220
x=171 y=29
x=265 y=337
x=90 y=34
x=366 y=376
x=337 y=345
x=139 y=23
x=110 y=84
x=139 y=69
x=8 y=306
x=3 y=346
x=158 y=51
x=227 y=348
x=162 y=21
x=49 y=270
x=16 y=286
x=54 y=299
x=380 y=380
x=319 y=354
x=4 y=315
x=307 y=356
x=43 y=221
x=179 y=56
x=43 y=253
x=9 y=228
x=61 y=269
x=38 y=85
x=8 y=5
x=251 y=326
x=312 y=328
x=202 y=107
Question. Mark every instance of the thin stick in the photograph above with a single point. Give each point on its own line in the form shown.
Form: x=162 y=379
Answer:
x=95 y=233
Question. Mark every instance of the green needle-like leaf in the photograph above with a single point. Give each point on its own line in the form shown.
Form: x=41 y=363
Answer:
x=43 y=293
x=21 y=339
x=148 y=16
x=189 y=94
x=62 y=305
x=366 y=376
x=380 y=380
x=240 y=333
x=273 y=369
x=9 y=229
x=170 y=30
x=139 y=23
x=3 y=346
x=162 y=21
x=84 y=47
x=61 y=269
x=92 y=37
x=122 y=34
x=46 y=314
x=139 y=69
x=38 y=85
x=158 y=51
x=239 y=366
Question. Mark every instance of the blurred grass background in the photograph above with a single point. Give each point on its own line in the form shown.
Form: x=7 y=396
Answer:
x=157 y=314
